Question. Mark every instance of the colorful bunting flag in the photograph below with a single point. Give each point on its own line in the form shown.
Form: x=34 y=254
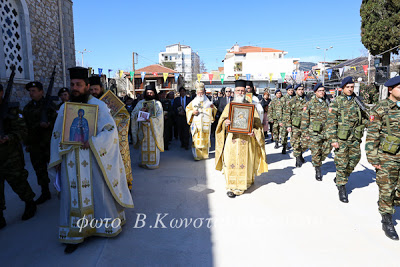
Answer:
x=121 y=72
x=346 y=68
x=100 y=71
x=222 y=77
x=236 y=76
x=176 y=77
x=270 y=76
x=248 y=76
x=210 y=77
x=143 y=74
x=132 y=74
x=318 y=72
x=294 y=74
x=306 y=75
x=365 y=67
x=329 y=71
x=165 y=75
x=155 y=74
x=354 y=68
x=283 y=74
x=199 y=77
x=89 y=71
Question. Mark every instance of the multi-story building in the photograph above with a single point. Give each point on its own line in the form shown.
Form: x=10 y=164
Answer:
x=264 y=65
x=182 y=59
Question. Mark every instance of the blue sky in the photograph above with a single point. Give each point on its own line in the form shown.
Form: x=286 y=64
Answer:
x=112 y=30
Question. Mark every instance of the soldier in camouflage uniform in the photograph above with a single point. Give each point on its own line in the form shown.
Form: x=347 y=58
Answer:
x=369 y=93
x=314 y=128
x=292 y=118
x=167 y=108
x=39 y=135
x=382 y=149
x=283 y=129
x=12 y=163
x=346 y=123
x=275 y=109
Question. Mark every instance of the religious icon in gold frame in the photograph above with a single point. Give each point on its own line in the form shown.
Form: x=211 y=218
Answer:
x=249 y=97
x=80 y=123
x=113 y=102
x=241 y=116
x=151 y=107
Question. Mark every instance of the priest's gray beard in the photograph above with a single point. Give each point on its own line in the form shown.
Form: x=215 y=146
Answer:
x=238 y=98
x=203 y=98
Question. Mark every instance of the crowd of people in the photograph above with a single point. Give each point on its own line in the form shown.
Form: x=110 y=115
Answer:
x=95 y=175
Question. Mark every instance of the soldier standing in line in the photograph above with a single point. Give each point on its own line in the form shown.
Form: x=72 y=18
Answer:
x=292 y=118
x=283 y=130
x=39 y=136
x=346 y=124
x=12 y=163
x=275 y=111
x=167 y=108
x=382 y=149
x=313 y=125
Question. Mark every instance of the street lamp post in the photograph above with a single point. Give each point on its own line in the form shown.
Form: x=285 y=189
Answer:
x=82 y=52
x=323 y=71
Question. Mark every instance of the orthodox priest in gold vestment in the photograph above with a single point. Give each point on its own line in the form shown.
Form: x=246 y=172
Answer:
x=122 y=120
x=89 y=175
x=148 y=135
x=240 y=156
x=200 y=114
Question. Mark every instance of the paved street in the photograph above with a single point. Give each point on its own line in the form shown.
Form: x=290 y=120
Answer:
x=287 y=218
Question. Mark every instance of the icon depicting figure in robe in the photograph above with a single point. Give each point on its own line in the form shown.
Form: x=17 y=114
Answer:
x=79 y=131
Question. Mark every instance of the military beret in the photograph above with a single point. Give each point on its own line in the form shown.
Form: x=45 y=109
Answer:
x=346 y=80
x=63 y=90
x=277 y=91
x=36 y=84
x=249 y=83
x=297 y=86
x=289 y=87
x=393 y=82
x=94 y=80
x=317 y=86
x=78 y=73
x=240 y=83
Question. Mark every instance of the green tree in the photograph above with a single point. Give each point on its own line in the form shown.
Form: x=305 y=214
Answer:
x=380 y=27
x=170 y=65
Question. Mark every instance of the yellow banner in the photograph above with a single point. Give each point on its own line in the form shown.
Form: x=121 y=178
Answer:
x=165 y=75
x=270 y=76
x=120 y=73
x=236 y=76
x=318 y=72
x=354 y=68
x=199 y=77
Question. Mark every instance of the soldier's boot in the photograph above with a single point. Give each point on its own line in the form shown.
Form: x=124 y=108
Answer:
x=318 y=174
x=284 y=149
x=302 y=159
x=388 y=227
x=30 y=210
x=343 y=193
x=298 y=162
x=276 y=144
x=2 y=220
x=44 y=196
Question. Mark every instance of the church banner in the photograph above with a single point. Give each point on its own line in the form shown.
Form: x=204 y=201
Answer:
x=248 y=76
x=270 y=76
x=365 y=67
x=121 y=72
x=176 y=77
x=199 y=77
x=341 y=71
x=283 y=74
x=100 y=71
x=143 y=74
x=329 y=71
x=165 y=75
x=132 y=74
x=236 y=76
x=155 y=74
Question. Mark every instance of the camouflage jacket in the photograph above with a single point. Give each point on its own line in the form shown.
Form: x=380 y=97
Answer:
x=15 y=129
x=353 y=116
x=32 y=114
x=293 y=109
x=314 y=112
x=276 y=109
x=378 y=130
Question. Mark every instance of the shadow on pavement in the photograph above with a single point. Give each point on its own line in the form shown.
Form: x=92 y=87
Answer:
x=280 y=176
x=360 y=179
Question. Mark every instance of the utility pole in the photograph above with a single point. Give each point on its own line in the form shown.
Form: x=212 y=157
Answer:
x=323 y=70
x=82 y=52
